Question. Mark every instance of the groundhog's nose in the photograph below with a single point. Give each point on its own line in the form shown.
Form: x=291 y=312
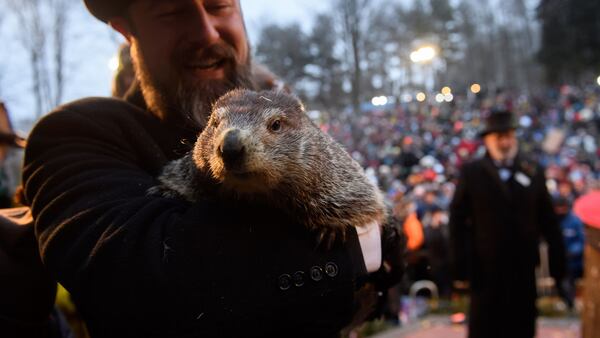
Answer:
x=232 y=149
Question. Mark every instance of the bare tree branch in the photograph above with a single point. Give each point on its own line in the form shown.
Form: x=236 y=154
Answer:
x=43 y=35
x=353 y=14
x=60 y=15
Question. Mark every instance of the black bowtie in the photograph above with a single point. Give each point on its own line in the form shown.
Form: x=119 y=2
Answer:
x=504 y=164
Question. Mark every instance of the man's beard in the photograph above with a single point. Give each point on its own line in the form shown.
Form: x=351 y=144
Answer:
x=185 y=102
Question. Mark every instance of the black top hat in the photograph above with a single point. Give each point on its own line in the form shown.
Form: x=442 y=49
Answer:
x=498 y=121
x=106 y=9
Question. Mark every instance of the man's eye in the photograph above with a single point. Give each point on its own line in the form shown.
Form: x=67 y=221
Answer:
x=218 y=7
x=171 y=11
x=170 y=14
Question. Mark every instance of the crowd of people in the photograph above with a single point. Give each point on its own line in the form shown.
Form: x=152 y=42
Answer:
x=414 y=151
x=142 y=265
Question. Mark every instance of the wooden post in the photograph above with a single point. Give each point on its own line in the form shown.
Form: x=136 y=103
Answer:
x=591 y=289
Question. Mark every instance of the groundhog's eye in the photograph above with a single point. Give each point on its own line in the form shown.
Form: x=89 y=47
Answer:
x=275 y=125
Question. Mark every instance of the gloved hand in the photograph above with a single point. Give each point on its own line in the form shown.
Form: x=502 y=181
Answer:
x=392 y=269
x=371 y=297
x=383 y=255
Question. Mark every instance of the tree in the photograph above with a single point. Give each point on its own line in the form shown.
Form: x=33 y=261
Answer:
x=285 y=51
x=495 y=45
x=60 y=10
x=570 y=47
x=418 y=20
x=469 y=66
x=1 y=64
x=325 y=68
x=355 y=28
x=42 y=35
x=363 y=49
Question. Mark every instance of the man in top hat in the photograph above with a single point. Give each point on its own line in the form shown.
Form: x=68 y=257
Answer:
x=500 y=210
x=147 y=266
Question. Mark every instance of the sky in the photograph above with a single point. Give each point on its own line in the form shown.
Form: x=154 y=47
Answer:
x=260 y=12
x=91 y=45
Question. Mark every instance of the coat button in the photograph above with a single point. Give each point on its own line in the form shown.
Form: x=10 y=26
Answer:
x=316 y=273
x=298 y=278
x=285 y=282
x=331 y=269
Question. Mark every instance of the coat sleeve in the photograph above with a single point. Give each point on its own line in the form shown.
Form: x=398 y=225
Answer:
x=138 y=261
x=550 y=228
x=459 y=228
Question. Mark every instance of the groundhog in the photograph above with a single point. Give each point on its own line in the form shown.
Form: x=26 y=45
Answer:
x=263 y=146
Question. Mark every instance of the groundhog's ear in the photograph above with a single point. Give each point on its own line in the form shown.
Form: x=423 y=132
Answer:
x=299 y=103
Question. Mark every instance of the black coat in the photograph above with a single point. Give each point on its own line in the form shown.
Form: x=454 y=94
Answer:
x=144 y=266
x=27 y=291
x=495 y=229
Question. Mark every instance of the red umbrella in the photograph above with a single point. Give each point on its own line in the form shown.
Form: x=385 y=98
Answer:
x=587 y=208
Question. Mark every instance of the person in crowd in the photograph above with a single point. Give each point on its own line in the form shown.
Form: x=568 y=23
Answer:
x=436 y=244
x=407 y=157
x=499 y=211
x=408 y=223
x=565 y=190
x=125 y=74
x=573 y=235
x=11 y=157
x=429 y=203
x=147 y=266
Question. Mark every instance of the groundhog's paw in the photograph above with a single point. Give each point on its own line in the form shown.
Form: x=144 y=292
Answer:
x=162 y=191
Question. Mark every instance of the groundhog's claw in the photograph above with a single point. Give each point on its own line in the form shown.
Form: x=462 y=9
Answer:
x=328 y=236
x=163 y=191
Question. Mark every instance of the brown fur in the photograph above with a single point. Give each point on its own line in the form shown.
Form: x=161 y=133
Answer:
x=297 y=168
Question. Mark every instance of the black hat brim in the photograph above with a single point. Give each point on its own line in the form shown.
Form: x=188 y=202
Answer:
x=499 y=121
x=497 y=129
x=104 y=10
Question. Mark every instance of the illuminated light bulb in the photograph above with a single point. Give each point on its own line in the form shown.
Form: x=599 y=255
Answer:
x=475 y=88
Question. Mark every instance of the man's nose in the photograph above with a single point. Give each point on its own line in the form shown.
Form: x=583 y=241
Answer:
x=503 y=146
x=505 y=140
x=204 y=28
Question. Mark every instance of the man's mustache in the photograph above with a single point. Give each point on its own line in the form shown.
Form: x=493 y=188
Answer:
x=218 y=51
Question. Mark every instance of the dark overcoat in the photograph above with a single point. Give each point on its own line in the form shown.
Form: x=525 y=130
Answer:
x=146 y=266
x=495 y=230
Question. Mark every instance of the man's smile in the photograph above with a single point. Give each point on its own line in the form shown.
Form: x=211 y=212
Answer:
x=209 y=69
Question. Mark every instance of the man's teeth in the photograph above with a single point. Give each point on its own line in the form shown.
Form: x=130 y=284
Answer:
x=205 y=65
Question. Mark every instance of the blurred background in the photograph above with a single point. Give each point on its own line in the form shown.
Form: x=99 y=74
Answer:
x=402 y=84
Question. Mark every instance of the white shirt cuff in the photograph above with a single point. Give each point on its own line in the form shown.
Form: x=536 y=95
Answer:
x=369 y=237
